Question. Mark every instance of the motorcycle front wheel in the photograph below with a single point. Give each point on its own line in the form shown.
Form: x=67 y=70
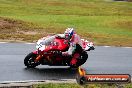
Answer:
x=29 y=60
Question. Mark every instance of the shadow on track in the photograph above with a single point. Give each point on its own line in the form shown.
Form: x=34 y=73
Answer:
x=51 y=73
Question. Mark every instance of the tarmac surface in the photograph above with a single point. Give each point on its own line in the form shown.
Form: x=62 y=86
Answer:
x=104 y=59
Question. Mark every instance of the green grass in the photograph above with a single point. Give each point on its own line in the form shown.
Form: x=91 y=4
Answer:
x=74 y=85
x=105 y=23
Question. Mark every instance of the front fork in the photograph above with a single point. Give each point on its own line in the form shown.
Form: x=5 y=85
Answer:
x=39 y=55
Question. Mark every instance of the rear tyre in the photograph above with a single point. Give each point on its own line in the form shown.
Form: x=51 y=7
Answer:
x=29 y=60
x=83 y=58
x=80 y=61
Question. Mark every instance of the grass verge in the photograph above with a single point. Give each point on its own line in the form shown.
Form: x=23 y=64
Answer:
x=74 y=85
x=105 y=23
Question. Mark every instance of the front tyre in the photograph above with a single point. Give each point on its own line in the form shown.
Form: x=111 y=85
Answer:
x=29 y=60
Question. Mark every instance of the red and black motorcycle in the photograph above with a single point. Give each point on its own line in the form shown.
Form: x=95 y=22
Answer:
x=49 y=52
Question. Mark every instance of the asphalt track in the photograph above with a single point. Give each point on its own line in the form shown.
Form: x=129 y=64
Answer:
x=101 y=60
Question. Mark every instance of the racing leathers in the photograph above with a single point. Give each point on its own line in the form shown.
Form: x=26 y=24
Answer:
x=72 y=46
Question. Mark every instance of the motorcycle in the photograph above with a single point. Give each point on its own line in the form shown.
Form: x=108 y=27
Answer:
x=49 y=52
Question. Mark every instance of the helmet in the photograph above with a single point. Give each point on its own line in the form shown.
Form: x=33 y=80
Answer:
x=69 y=33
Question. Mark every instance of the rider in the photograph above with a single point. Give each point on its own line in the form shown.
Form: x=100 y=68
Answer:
x=73 y=39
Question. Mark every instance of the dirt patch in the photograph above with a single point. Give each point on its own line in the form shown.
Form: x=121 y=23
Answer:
x=17 y=30
x=28 y=32
x=11 y=26
x=6 y=26
x=122 y=24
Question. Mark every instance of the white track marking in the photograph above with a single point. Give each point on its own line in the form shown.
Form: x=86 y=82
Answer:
x=106 y=46
x=29 y=43
x=3 y=42
x=27 y=81
x=116 y=46
x=126 y=47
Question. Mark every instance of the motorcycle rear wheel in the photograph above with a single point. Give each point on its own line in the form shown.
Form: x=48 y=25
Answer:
x=29 y=60
x=83 y=58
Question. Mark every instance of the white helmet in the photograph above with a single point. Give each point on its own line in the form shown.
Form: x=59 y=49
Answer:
x=69 y=33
